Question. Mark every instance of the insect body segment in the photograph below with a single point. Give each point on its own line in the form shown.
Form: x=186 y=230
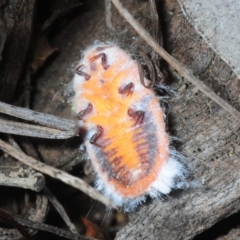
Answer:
x=126 y=138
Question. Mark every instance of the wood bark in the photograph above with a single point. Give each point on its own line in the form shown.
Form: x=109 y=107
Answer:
x=19 y=25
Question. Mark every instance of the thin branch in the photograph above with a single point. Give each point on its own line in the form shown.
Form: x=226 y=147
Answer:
x=56 y=173
x=24 y=129
x=37 y=117
x=18 y=176
x=173 y=62
x=21 y=175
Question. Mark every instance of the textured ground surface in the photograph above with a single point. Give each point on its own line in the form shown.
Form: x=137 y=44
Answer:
x=209 y=136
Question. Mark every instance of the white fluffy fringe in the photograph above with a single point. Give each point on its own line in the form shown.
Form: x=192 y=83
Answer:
x=171 y=176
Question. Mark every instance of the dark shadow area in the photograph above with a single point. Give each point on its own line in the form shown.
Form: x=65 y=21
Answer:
x=221 y=228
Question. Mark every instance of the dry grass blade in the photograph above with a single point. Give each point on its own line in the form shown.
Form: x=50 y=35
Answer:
x=56 y=173
x=173 y=62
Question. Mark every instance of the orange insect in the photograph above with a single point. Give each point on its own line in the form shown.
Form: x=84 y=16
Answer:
x=124 y=128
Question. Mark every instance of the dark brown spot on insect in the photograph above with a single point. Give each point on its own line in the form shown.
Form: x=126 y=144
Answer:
x=84 y=112
x=127 y=89
x=96 y=136
x=138 y=116
x=103 y=58
x=81 y=73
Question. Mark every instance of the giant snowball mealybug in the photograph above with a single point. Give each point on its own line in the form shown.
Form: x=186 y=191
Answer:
x=124 y=128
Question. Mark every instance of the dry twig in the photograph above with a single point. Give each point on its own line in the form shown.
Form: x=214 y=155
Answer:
x=37 y=117
x=23 y=129
x=57 y=128
x=19 y=176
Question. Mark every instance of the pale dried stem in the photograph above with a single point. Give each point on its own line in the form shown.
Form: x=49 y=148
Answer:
x=21 y=177
x=56 y=173
x=174 y=63
x=24 y=129
x=37 y=117
x=57 y=128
